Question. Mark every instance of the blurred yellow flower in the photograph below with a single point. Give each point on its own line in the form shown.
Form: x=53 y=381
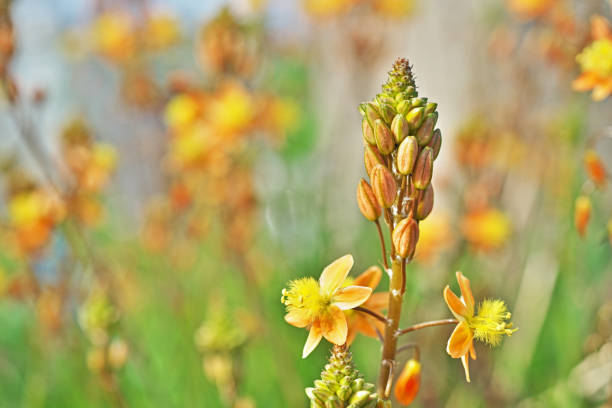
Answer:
x=161 y=31
x=319 y=305
x=181 y=111
x=232 y=110
x=327 y=8
x=434 y=236
x=486 y=229
x=489 y=325
x=582 y=214
x=394 y=8
x=530 y=8
x=190 y=145
x=113 y=36
x=596 y=61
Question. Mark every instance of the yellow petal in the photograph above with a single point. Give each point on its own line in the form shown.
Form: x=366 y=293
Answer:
x=466 y=366
x=296 y=319
x=377 y=301
x=313 y=340
x=460 y=341
x=585 y=81
x=334 y=326
x=334 y=274
x=370 y=278
x=456 y=306
x=466 y=292
x=351 y=297
x=602 y=91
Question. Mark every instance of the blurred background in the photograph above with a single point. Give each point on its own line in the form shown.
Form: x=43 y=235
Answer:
x=167 y=166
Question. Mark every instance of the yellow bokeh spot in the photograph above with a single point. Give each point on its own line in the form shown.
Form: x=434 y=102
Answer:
x=395 y=8
x=597 y=58
x=327 y=8
x=530 y=8
x=191 y=144
x=113 y=35
x=488 y=229
x=104 y=156
x=162 y=31
x=233 y=110
x=26 y=208
x=181 y=111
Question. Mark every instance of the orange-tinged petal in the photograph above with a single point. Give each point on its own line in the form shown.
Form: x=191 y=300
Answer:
x=296 y=319
x=351 y=297
x=334 y=274
x=602 y=90
x=334 y=326
x=408 y=382
x=456 y=306
x=586 y=81
x=460 y=341
x=600 y=28
x=313 y=340
x=466 y=292
x=466 y=366
x=472 y=351
x=370 y=278
x=377 y=301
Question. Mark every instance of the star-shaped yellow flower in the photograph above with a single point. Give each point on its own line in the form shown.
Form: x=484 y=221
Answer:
x=319 y=305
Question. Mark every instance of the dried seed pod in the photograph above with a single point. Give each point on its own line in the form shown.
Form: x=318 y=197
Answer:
x=423 y=169
x=435 y=143
x=384 y=185
x=400 y=128
x=415 y=118
x=368 y=132
x=405 y=237
x=424 y=133
x=407 y=153
x=367 y=202
x=384 y=138
x=425 y=204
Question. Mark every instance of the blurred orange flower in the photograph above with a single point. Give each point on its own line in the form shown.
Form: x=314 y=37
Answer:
x=377 y=302
x=582 y=214
x=595 y=168
x=530 y=8
x=596 y=61
x=486 y=229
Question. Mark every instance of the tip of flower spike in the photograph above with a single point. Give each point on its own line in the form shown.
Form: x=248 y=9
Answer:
x=400 y=79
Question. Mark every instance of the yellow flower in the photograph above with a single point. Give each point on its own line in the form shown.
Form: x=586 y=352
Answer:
x=113 y=35
x=327 y=8
x=394 y=8
x=596 y=61
x=530 y=8
x=181 y=111
x=489 y=325
x=319 y=305
x=162 y=31
x=487 y=229
x=233 y=110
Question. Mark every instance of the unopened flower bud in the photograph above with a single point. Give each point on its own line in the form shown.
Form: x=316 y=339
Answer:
x=423 y=169
x=370 y=112
x=418 y=101
x=582 y=214
x=430 y=108
x=400 y=128
x=403 y=107
x=367 y=202
x=360 y=398
x=408 y=382
x=407 y=153
x=384 y=185
x=425 y=204
x=386 y=112
x=595 y=168
x=424 y=133
x=344 y=392
x=333 y=402
x=405 y=237
x=372 y=157
x=415 y=118
x=368 y=133
x=436 y=143
x=384 y=138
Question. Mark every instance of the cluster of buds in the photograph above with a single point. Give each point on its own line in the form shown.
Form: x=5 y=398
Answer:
x=401 y=144
x=99 y=318
x=341 y=385
x=91 y=165
x=221 y=341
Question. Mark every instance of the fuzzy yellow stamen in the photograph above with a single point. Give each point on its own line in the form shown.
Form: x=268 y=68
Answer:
x=490 y=324
x=597 y=58
x=304 y=298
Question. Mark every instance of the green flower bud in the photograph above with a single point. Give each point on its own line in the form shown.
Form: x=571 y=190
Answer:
x=370 y=113
x=407 y=155
x=430 y=107
x=384 y=137
x=415 y=118
x=399 y=128
x=368 y=132
x=423 y=169
x=403 y=107
x=425 y=132
x=387 y=112
x=418 y=101
x=436 y=143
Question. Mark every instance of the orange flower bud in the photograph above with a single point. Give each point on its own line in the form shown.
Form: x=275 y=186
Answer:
x=384 y=138
x=436 y=143
x=407 y=155
x=423 y=169
x=582 y=214
x=384 y=185
x=425 y=204
x=595 y=168
x=405 y=237
x=400 y=128
x=371 y=158
x=408 y=382
x=424 y=133
x=368 y=204
x=368 y=133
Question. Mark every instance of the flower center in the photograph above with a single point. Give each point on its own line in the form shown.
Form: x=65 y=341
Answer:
x=305 y=298
x=491 y=322
x=597 y=58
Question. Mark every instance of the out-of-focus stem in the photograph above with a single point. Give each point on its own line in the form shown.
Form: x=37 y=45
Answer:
x=424 y=325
